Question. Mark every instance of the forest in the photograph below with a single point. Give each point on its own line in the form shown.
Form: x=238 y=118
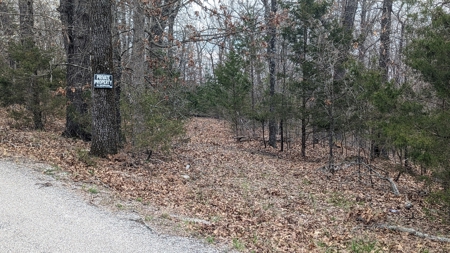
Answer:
x=280 y=99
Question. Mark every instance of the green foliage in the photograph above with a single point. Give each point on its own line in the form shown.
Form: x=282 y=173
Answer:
x=161 y=127
x=93 y=190
x=202 y=98
x=429 y=54
x=84 y=156
x=31 y=84
x=440 y=198
x=161 y=122
x=9 y=94
x=227 y=93
x=364 y=246
x=237 y=244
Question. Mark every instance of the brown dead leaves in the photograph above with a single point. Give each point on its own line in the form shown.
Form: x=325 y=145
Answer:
x=262 y=199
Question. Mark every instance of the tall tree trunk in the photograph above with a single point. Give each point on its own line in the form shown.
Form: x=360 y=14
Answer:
x=270 y=12
x=6 y=27
x=331 y=130
x=117 y=62
x=304 y=95
x=363 y=34
x=105 y=130
x=26 y=21
x=166 y=11
x=171 y=23
x=384 y=60
x=27 y=40
x=75 y=21
x=348 y=19
x=136 y=88
x=385 y=39
x=304 y=122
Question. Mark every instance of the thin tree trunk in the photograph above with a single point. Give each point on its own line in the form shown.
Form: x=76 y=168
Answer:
x=270 y=12
x=264 y=136
x=136 y=89
x=117 y=62
x=362 y=36
x=303 y=150
x=348 y=19
x=331 y=136
x=385 y=39
x=304 y=95
x=282 y=135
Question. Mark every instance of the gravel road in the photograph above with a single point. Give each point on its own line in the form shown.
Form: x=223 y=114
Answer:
x=37 y=215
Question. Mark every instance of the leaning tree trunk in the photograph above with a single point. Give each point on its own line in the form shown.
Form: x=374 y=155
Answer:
x=105 y=130
x=75 y=21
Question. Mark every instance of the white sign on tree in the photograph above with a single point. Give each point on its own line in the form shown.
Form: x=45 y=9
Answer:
x=103 y=81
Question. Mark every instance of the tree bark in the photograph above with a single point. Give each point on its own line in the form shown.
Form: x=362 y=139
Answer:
x=162 y=15
x=385 y=39
x=75 y=21
x=384 y=60
x=6 y=27
x=348 y=19
x=26 y=21
x=105 y=130
x=270 y=12
x=27 y=40
x=117 y=62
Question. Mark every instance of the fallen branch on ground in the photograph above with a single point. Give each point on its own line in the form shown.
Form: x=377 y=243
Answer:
x=415 y=232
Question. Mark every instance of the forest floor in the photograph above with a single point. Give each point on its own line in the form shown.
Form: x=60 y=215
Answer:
x=253 y=199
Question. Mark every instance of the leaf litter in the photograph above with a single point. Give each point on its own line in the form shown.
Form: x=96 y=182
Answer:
x=240 y=193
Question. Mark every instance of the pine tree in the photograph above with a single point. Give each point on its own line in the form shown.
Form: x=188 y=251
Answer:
x=303 y=37
x=429 y=55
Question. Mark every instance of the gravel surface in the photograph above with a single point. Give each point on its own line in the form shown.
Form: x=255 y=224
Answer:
x=37 y=214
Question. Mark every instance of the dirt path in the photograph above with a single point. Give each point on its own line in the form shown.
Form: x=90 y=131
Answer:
x=38 y=214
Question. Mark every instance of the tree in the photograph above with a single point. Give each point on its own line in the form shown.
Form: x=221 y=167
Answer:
x=385 y=39
x=6 y=24
x=428 y=54
x=27 y=41
x=234 y=87
x=26 y=21
x=347 y=23
x=270 y=16
x=304 y=34
x=75 y=21
x=105 y=128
